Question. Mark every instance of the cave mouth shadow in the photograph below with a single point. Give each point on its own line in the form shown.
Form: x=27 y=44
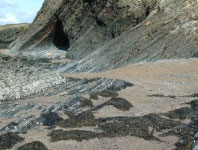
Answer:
x=60 y=38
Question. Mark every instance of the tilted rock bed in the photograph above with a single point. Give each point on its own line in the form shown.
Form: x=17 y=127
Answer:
x=79 y=109
x=107 y=127
x=103 y=35
x=22 y=78
x=9 y=33
x=18 y=79
x=72 y=104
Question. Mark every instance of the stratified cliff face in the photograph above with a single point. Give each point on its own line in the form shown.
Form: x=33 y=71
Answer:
x=9 y=33
x=105 y=34
x=83 y=25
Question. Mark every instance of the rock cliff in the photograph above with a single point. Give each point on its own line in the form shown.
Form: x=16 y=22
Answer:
x=106 y=34
x=9 y=33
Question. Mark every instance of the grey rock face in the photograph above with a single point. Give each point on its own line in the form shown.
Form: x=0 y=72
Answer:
x=47 y=115
x=195 y=146
x=9 y=33
x=108 y=34
x=18 y=79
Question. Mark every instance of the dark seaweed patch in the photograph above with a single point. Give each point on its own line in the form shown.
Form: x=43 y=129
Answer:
x=8 y=140
x=120 y=103
x=77 y=135
x=105 y=93
x=83 y=119
x=36 y=145
x=94 y=96
x=84 y=102
x=182 y=113
x=49 y=119
x=193 y=95
x=161 y=95
x=113 y=127
x=194 y=104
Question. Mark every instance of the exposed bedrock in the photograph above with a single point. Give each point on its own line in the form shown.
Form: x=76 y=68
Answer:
x=9 y=33
x=106 y=34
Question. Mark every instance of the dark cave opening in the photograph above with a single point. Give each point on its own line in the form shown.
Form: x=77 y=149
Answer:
x=60 y=38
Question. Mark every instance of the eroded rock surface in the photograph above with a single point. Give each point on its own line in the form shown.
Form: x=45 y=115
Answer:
x=9 y=33
x=18 y=79
x=39 y=94
x=106 y=34
x=66 y=108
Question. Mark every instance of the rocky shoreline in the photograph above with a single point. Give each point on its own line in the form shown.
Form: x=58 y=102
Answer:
x=101 y=74
x=74 y=99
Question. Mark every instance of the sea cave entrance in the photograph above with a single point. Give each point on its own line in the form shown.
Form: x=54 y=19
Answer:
x=60 y=38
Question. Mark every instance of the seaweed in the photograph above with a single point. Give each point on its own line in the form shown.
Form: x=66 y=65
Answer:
x=36 y=145
x=120 y=103
x=9 y=139
x=77 y=135
x=181 y=113
x=104 y=93
x=193 y=95
x=112 y=127
x=161 y=95
x=83 y=119
x=84 y=102
x=94 y=96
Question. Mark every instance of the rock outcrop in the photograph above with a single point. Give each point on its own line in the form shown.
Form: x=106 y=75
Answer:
x=107 y=34
x=9 y=33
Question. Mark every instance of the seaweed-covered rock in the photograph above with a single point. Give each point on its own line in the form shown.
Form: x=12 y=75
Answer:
x=113 y=127
x=36 y=145
x=194 y=104
x=84 y=102
x=49 y=119
x=182 y=113
x=120 y=103
x=77 y=135
x=8 y=140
